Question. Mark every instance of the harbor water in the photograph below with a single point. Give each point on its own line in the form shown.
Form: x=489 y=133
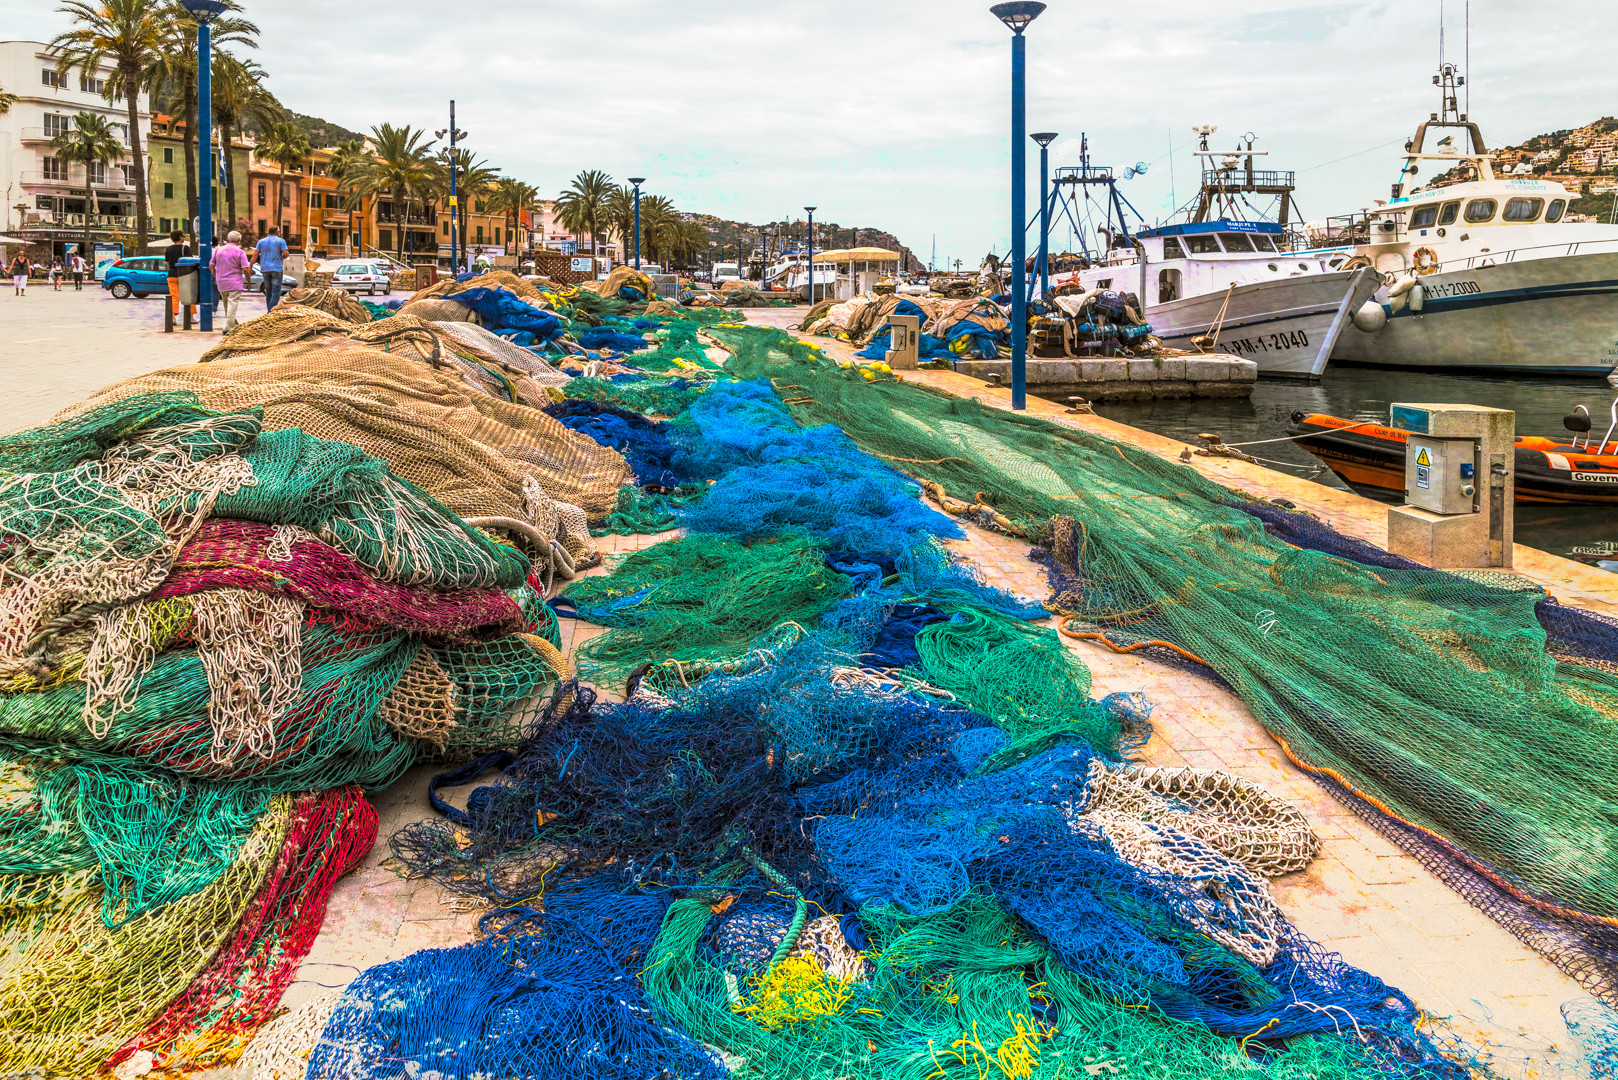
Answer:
x=1588 y=534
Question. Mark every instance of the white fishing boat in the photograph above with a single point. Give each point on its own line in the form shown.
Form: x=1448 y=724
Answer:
x=1481 y=274
x=1221 y=283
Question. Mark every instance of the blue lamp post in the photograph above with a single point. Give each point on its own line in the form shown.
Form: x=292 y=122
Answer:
x=1044 y=139
x=1017 y=16
x=637 y=181
x=204 y=12
x=811 y=211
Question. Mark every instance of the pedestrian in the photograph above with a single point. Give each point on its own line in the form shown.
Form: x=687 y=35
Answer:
x=79 y=268
x=56 y=275
x=270 y=254
x=19 y=275
x=178 y=249
x=230 y=273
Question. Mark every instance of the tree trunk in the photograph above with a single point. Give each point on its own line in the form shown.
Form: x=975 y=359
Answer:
x=87 y=251
x=189 y=90
x=131 y=99
x=230 y=173
x=281 y=193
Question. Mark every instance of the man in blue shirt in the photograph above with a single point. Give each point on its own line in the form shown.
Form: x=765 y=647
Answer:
x=269 y=255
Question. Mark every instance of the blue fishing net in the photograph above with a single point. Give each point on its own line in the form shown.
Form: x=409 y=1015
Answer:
x=644 y=443
x=501 y=310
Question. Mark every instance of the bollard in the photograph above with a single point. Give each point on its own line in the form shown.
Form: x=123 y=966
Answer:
x=168 y=314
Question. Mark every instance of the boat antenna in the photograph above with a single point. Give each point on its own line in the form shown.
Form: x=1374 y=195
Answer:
x=1172 y=200
x=1468 y=57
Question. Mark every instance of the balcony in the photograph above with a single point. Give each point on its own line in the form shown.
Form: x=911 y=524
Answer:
x=40 y=135
x=55 y=222
x=114 y=181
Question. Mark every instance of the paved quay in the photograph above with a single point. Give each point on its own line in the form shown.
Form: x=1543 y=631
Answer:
x=1362 y=897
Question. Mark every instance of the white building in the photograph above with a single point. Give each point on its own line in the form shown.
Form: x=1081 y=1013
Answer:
x=44 y=197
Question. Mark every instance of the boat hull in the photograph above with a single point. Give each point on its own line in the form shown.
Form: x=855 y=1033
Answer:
x=1370 y=458
x=1288 y=327
x=1554 y=316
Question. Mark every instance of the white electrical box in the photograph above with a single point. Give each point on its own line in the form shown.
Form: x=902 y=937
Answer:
x=1459 y=485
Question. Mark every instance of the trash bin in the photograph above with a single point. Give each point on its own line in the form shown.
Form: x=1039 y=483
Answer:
x=190 y=280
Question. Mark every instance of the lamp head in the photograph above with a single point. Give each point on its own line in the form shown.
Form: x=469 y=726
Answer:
x=637 y=180
x=204 y=11
x=811 y=209
x=1017 y=15
x=1043 y=138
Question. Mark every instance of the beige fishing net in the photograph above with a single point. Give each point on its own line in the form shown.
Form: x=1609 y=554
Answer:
x=332 y=301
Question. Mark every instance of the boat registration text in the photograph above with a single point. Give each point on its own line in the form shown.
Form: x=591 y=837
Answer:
x=1440 y=289
x=1265 y=343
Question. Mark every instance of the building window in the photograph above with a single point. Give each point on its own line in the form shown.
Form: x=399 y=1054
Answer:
x=446 y=226
x=497 y=234
x=98 y=173
x=87 y=85
x=50 y=77
x=286 y=196
x=314 y=200
x=332 y=202
x=57 y=124
x=334 y=237
x=480 y=234
x=261 y=200
x=263 y=226
x=53 y=168
x=168 y=155
x=386 y=240
x=168 y=191
x=477 y=206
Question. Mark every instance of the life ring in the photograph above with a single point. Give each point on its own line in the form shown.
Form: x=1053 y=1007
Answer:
x=1424 y=261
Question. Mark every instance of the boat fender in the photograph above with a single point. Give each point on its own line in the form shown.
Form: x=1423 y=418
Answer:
x=1401 y=287
x=1417 y=296
x=1371 y=317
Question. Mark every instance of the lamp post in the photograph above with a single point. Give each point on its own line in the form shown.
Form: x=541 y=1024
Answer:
x=637 y=181
x=1044 y=139
x=811 y=212
x=204 y=12
x=455 y=244
x=1017 y=16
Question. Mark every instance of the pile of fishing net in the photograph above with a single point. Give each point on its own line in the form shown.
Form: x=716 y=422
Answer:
x=859 y=817
x=334 y=302
x=974 y=328
x=213 y=637
x=1402 y=689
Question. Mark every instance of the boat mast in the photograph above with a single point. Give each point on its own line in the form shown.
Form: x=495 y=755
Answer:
x=1232 y=175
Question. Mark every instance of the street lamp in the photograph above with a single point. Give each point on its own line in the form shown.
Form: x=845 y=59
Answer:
x=637 y=181
x=1044 y=139
x=204 y=12
x=1017 y=16
x=455 y=245
x=811 y=212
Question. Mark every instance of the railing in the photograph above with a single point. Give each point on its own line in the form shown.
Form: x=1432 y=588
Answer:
x=39 y=134
x=1238 y=177
x=76 y=221
x=113 y=181
x=1510 y=255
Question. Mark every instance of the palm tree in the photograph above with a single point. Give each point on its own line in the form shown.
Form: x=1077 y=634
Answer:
x=659 y=226
x=583 y=206
x=473 y=178
x=6 y=101
x=621 y=217
x=239 y=95
x=512 y=198
x=90 y=142
x=344 y=168
x=174 y=68
x=129 y=33
x=400 y=166
x=285 y=145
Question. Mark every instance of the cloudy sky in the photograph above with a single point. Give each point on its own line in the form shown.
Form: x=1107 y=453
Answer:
x=894 y=113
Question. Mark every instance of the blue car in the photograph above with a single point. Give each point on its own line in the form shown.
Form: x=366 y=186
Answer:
x=140 y=276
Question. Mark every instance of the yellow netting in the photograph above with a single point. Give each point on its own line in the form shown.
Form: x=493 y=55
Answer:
x=332 y=301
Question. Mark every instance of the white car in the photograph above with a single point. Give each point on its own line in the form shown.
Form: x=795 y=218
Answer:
x=355 y=277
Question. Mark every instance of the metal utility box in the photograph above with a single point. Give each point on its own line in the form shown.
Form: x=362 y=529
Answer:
x=1459 y=484
x=904 y=342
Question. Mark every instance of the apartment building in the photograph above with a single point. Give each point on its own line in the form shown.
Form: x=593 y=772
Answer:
x=166 y=177
x=45 y=200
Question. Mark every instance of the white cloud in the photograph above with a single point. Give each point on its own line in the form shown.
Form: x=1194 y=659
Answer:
x=893 y=113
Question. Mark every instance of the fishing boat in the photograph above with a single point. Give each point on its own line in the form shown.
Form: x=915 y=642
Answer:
x=1221 y=282
x=1370 y=458
x=1480 y=272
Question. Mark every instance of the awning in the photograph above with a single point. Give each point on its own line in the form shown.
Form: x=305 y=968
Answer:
x=12 y=240
x=861 y=254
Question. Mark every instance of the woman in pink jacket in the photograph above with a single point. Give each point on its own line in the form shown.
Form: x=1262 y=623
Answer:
x=230 y=272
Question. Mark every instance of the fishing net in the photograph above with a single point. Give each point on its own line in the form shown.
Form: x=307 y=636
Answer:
x=335 y=302
x=210 y=1022
x=647 y=396
x=1406 y=684
x=644 y=443
x=65 y=1000
x=421 y=421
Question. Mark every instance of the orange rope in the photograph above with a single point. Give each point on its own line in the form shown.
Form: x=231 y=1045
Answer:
x=1131 y=648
